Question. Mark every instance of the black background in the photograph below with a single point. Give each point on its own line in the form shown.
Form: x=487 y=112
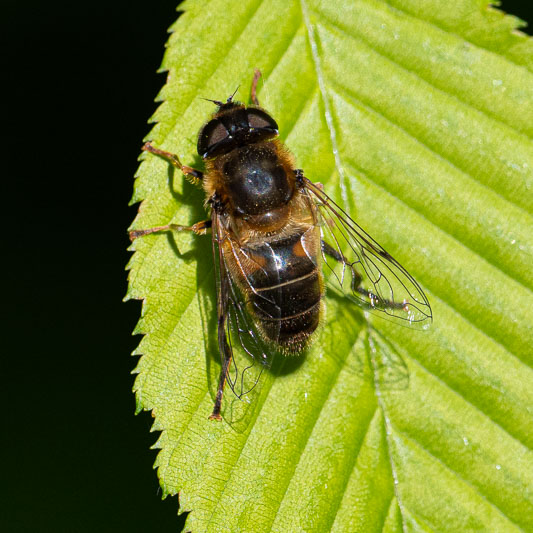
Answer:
x=74 y=456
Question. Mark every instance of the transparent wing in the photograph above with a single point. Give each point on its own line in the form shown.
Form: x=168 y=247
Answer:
x=246 y=371
x=240 y=341
x=357 y=266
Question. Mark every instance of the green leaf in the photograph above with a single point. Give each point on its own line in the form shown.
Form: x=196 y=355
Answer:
x=418 y=115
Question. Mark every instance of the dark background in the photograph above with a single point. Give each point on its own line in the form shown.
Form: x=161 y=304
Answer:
x=74 y=456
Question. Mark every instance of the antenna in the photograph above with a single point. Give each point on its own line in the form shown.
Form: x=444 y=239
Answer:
x=216 y=102
x=219 y=103
x=230 y=98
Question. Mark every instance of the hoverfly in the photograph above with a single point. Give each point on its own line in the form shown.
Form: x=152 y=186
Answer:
x=273 y=232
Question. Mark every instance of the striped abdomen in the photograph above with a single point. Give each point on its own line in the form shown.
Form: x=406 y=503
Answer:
x=286 y=287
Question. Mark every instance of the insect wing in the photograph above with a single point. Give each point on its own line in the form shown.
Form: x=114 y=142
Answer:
x=239 y=340
x=357 y=266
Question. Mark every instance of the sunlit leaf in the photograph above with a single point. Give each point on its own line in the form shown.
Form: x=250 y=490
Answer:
x=417 y=115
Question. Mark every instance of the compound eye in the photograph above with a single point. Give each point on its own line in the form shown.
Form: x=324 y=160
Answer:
x=212 y=133
x=260 y=120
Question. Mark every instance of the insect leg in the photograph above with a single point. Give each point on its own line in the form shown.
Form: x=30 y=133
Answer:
x=223 y=296
x=253 y=92
x=200 y=228
x=192 y=173
x=329 y=250
x=226 y=361
x=357 y=279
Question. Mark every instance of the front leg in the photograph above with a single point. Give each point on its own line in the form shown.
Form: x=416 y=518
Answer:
x=191 y=173
x=200 y=228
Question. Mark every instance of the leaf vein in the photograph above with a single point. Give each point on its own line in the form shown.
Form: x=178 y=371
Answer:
x=445 y=30
x=325 y=99
x=324 y=20
x=460 y=395
x=459 y=243
x=346 y=480
x=457 y=475
x=387 y=426
x=456 y=165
